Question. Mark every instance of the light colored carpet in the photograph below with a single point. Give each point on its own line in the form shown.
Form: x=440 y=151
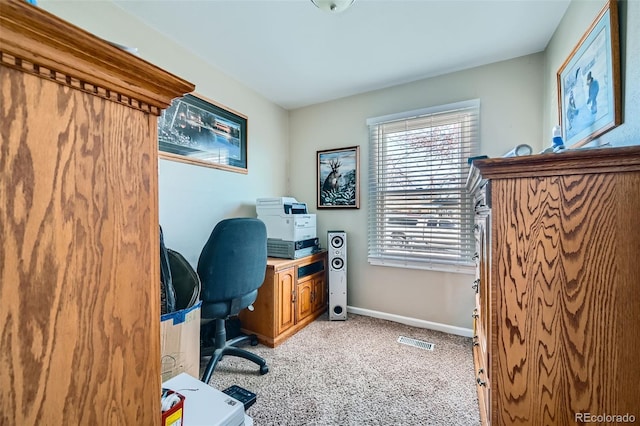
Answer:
x=355 y=372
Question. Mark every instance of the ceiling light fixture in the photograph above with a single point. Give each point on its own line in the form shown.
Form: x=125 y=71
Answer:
x=333 y=6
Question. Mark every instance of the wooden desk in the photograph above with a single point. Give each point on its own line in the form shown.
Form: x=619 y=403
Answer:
x=293 y=294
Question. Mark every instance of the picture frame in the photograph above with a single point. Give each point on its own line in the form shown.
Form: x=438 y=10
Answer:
x=198 y=131
x=338 y=178
x=589 y=98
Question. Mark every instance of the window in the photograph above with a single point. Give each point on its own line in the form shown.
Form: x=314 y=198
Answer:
x=420 y=214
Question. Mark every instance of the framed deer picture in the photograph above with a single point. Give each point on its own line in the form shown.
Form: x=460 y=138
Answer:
x=339 y=178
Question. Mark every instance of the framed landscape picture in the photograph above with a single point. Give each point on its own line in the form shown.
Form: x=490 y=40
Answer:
x=589 y=102
x=197 y=131
x=338 y=178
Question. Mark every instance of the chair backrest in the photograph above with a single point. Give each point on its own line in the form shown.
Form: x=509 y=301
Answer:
x=185 y=281
x=234 y=259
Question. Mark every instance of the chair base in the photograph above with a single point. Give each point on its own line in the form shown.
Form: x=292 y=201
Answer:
x=229 y=348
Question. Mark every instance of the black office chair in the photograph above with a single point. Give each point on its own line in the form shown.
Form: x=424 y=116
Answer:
x=232 y=267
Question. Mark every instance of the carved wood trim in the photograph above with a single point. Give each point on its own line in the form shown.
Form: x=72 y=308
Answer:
x=36 y=41
x=572 y=162
x=67 y=80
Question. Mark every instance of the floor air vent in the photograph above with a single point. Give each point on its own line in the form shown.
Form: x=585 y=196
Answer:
x=417 y=343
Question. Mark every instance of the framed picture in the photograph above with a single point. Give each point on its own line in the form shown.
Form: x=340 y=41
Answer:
x=338 y=181
x=197 y=131
x=589 y=102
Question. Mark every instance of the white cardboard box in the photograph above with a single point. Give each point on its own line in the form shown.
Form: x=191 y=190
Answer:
x=205 y=405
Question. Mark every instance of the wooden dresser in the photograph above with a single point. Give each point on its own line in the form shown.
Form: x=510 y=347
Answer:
x=558 y=286
x=79 y=243
x=294 y=293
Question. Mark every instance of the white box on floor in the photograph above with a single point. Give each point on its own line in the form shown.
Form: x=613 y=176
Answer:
x=205 y=405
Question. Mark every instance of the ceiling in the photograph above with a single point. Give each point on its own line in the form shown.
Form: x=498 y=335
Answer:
x=296 y=55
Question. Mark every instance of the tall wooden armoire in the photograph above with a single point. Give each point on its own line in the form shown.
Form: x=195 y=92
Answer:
x=79 y=243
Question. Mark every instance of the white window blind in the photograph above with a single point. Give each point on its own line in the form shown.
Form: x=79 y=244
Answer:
x=419 y=213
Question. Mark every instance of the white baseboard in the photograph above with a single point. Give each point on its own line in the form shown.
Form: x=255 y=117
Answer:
x=414 y=322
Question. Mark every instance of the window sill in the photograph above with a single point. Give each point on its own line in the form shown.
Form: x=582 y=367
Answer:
x=469 y=269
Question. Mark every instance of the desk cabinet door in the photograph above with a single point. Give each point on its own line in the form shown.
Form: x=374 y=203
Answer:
x=286 y=299
x=304 y=303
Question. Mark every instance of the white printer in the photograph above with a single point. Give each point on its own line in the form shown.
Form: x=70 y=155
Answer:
x=286 y=218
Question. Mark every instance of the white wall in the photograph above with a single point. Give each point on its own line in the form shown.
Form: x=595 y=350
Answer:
x=510 y=94
x=574 y=24
x=192 y=198
x=518 y=105
x=282 y=149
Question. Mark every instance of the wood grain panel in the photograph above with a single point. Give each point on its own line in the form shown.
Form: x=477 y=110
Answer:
x=556 y=283
x=626 y=373
x=79 y=218
x=116 y=225
x=37 y=257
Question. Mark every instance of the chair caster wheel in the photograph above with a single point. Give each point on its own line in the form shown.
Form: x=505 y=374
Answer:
x=254 y=341
x=264 y=370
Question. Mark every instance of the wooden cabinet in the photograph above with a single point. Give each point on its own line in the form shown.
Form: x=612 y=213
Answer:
x=79 y=264
x=312 y=295
x=558 y=245
x=304 y=305
x=293 y=294
x=482 y=312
